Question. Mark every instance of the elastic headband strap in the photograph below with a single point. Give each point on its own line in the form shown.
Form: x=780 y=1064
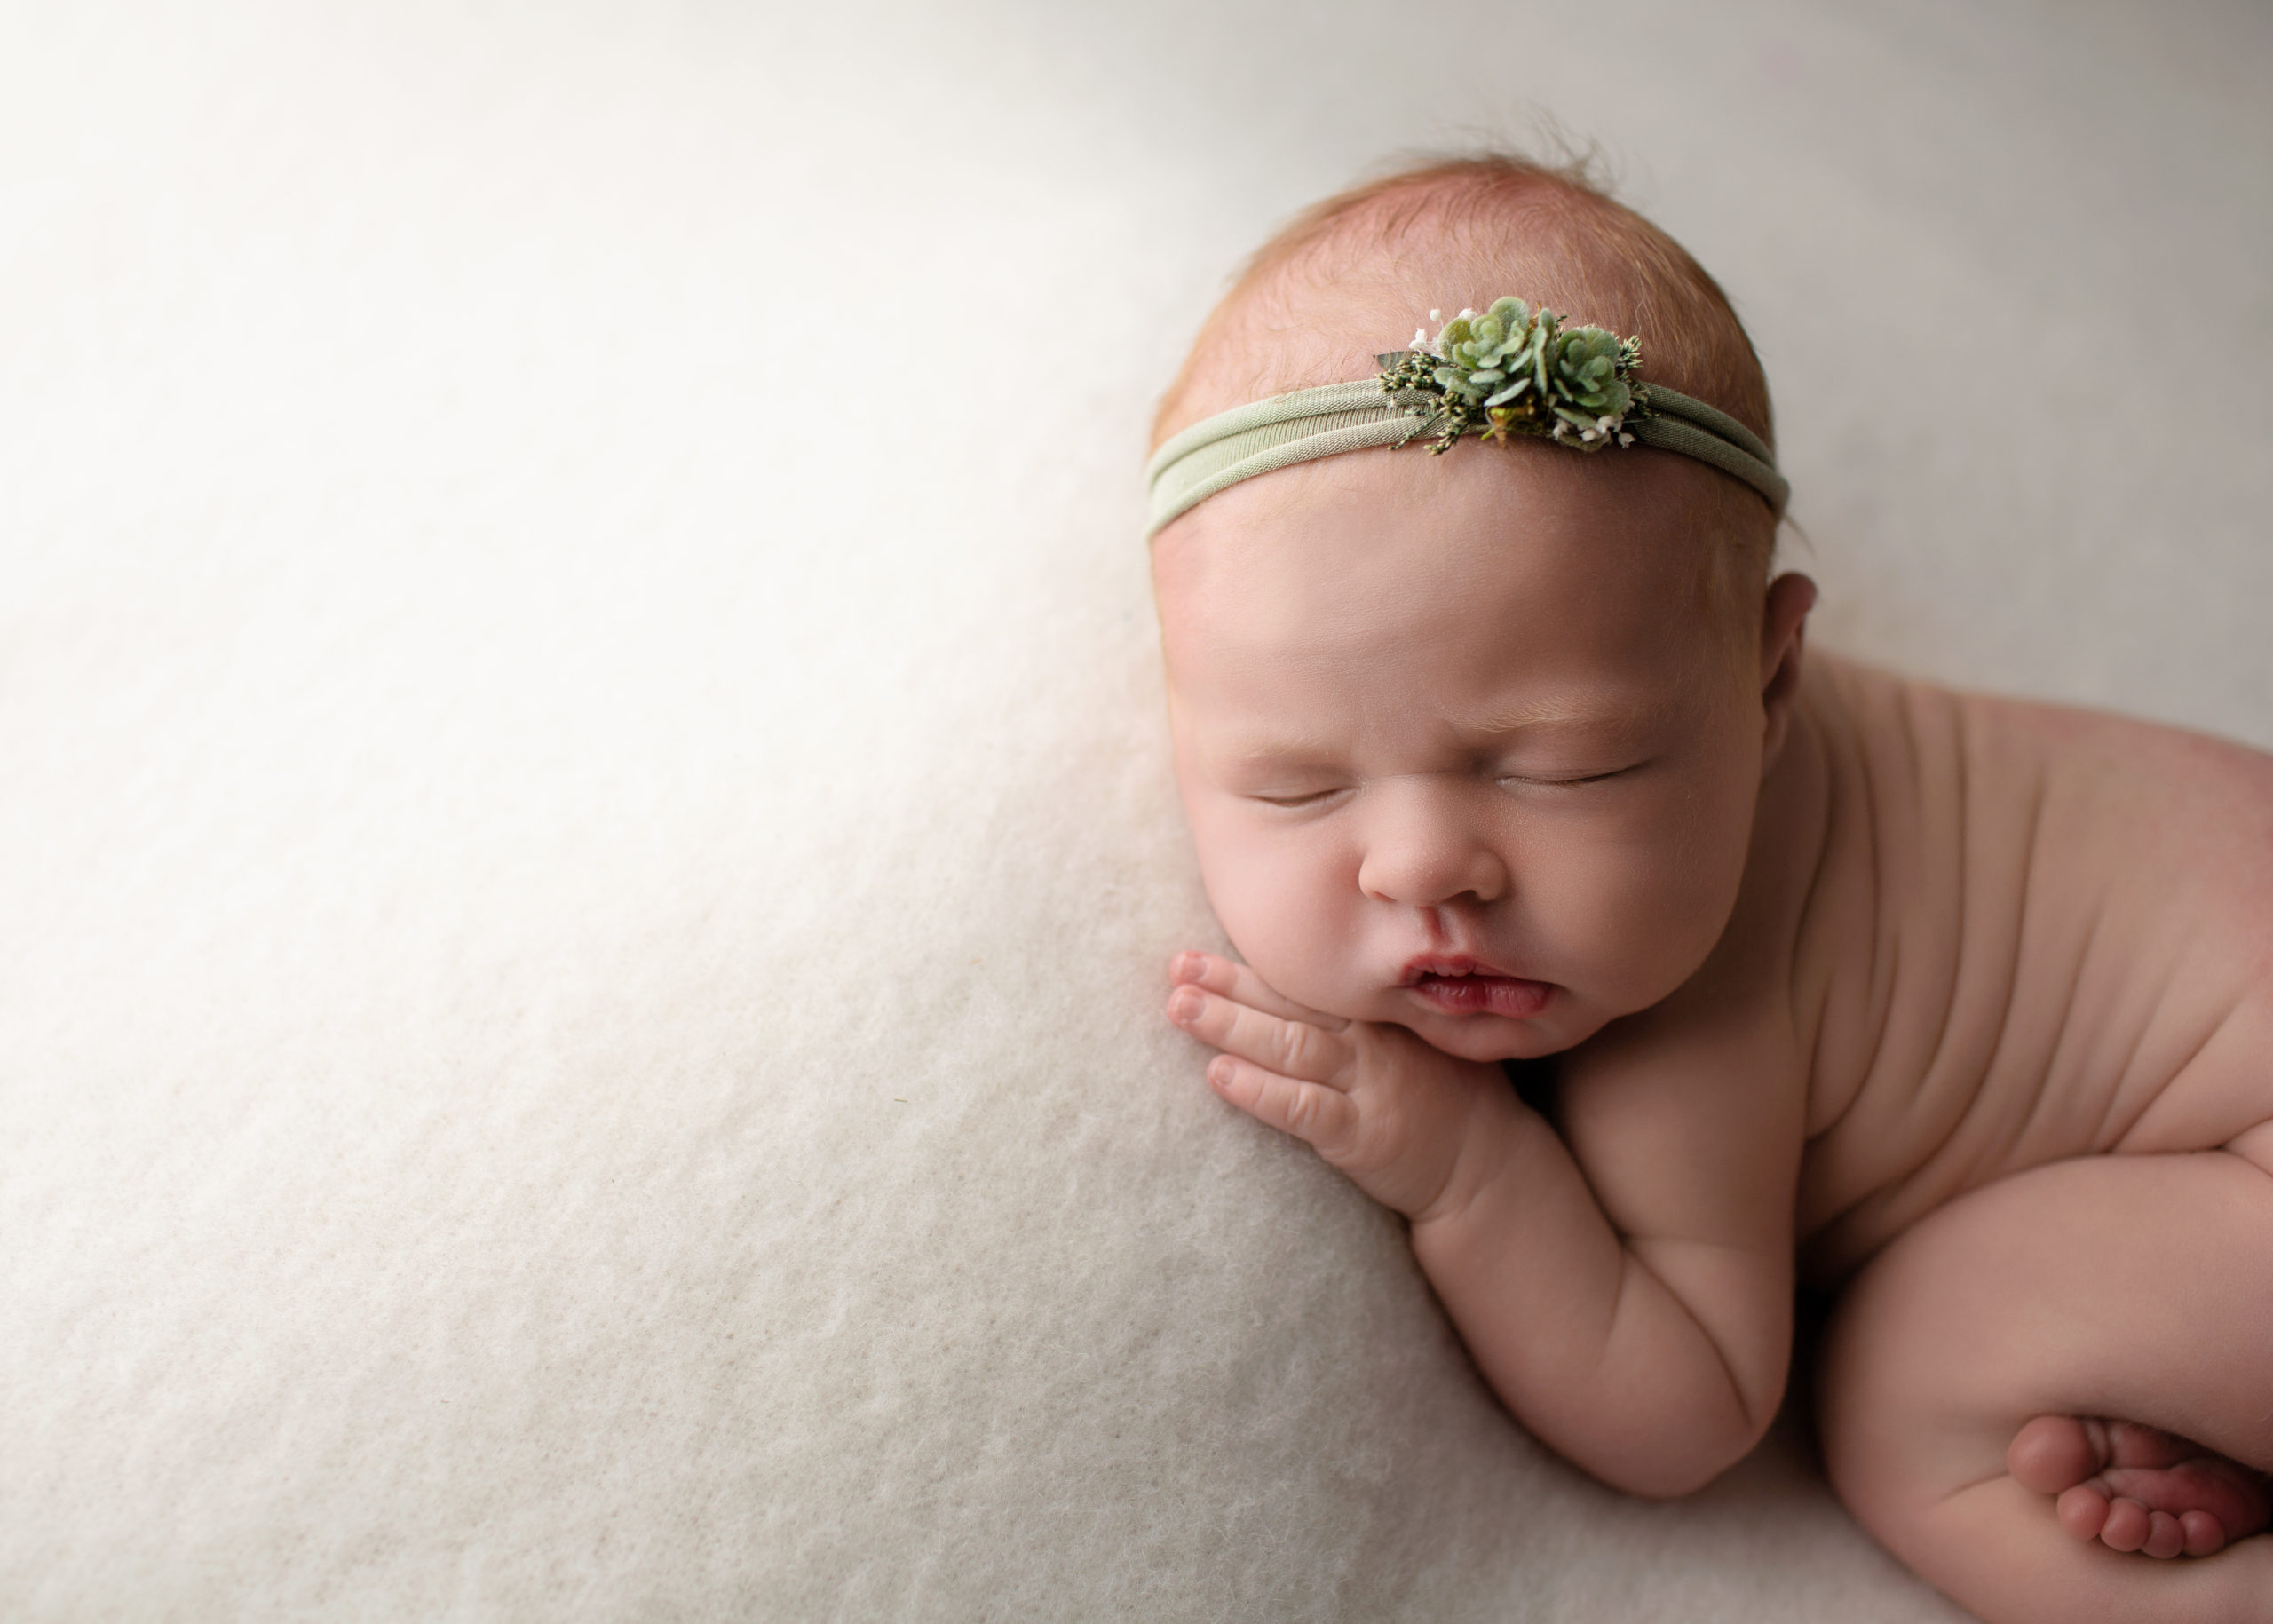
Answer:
x=1218 y=452
x=1678 y=423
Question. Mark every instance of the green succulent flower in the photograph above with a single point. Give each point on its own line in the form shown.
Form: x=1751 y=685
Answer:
x=1583 y=368
x=1513 y=370
x=1493 y=357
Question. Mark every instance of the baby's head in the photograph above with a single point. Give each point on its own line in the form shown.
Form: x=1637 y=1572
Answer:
x=1472 y=743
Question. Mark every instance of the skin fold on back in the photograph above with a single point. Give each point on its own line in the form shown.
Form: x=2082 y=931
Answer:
x=2012 y=950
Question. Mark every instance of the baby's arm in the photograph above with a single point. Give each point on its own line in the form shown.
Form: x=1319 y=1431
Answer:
x=1627 y=1293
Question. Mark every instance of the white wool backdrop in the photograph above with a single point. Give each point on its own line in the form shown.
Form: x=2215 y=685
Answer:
x=587 y=856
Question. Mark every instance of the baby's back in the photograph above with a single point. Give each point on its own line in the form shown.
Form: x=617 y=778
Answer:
x=2031 y=933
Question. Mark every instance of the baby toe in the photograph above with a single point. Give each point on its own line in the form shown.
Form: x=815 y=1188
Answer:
x=2164 y=1538
x=2126 y=1525
x=2082 y=1511
x=2051 y=1454
x=2205 y=1535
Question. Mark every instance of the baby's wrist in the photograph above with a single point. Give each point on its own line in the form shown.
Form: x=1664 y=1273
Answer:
x=1489 y=1150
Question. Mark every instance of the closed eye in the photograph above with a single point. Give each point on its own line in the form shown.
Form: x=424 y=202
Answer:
x=1314 y=798
x=1572 y=781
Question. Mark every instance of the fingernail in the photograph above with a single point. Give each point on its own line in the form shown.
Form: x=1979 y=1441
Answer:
x=1184 y=1005
x=1219 y=1070
x=1188 y=966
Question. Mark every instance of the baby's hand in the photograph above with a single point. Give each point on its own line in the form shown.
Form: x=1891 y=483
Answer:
x=1379 y=1105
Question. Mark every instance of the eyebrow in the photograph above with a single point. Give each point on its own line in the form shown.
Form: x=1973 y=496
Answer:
x=1549 y=714
x=1309 y=748
x=1320 y=749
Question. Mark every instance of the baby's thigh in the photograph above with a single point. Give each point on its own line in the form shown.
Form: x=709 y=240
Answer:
x=2133 y=1288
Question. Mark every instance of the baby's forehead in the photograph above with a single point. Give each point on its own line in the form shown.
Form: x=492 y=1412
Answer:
x=1375 y=546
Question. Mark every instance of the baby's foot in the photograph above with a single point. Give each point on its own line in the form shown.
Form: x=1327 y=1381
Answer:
x=2134 y=1488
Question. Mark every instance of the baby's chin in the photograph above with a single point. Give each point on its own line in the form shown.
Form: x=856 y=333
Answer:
x=1491 y=1038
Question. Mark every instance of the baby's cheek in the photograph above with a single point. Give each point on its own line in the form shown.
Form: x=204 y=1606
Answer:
x=1688 y=914
x=1289 y=914
x=1630 y=923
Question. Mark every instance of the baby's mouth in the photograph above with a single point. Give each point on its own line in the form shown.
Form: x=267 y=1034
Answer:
x=1461 y=986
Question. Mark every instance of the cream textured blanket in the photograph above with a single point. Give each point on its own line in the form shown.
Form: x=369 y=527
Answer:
x=586 y=854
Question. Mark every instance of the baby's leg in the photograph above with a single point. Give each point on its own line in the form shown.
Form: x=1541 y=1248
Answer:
x=2126 y=1288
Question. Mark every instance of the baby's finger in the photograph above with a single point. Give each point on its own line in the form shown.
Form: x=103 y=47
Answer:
x=1234 y=979
x=1314 y=1113
x=1289 y=1047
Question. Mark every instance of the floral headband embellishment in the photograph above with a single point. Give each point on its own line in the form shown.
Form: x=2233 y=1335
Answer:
x=1511 y=371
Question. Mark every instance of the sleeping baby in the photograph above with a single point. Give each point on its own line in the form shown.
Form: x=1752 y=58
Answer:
x=1493 y=729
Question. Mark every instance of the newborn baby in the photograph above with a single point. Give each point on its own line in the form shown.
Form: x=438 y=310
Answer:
x=1960 y=1005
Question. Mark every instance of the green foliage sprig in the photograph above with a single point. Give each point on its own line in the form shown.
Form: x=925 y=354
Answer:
x=1511 y=371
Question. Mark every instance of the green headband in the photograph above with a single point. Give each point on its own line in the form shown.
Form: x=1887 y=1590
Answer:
x=1503 y=373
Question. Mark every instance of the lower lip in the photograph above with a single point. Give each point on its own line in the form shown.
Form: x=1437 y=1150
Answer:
x=1504 y=995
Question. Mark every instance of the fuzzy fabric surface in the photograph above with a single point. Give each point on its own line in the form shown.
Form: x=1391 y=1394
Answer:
x=587 y=855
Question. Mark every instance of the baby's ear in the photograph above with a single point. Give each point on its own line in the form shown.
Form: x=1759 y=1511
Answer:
x=1783 y=635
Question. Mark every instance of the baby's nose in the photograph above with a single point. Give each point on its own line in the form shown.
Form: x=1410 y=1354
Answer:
x=1421 y=857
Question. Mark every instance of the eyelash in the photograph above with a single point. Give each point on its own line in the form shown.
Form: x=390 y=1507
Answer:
x=1565 y=783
